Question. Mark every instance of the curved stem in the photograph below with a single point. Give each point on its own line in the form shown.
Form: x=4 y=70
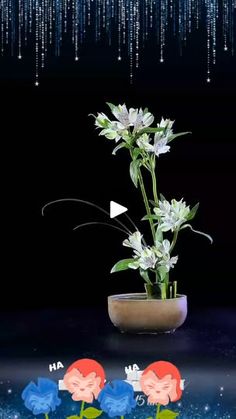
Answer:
x=158 y=410
x=81 y=410
x=142 y=187
x=101 y=223
x=174 y=240
x=131 y=221
x=82 y=201
x=154 y=184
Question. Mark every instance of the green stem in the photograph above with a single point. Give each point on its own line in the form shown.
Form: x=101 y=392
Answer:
x=158 y=410
x=122 y=417
x=46 y=416
x=81 y=410
x=154 y=184
x=142 y=187
x=174 y=240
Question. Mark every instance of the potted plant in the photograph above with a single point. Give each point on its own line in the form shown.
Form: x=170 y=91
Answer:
x=160 y=308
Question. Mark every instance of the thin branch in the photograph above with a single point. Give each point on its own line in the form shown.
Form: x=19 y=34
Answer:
x=101 y=223
x=87 y=203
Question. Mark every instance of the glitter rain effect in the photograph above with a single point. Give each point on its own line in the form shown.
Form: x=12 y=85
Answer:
x=127 y=25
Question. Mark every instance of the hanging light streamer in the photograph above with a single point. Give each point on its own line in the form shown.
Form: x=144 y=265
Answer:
x=130 y=24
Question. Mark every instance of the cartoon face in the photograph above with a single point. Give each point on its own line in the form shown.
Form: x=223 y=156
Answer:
x=159 y=390
x=117 y=398
x=82 y=388
x=41 y=398
x=116 y=406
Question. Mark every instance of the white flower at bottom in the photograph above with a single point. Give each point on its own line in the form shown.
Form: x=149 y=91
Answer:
x=168 y=262
x=148 y=258
x=144 y=143
x=161 y=147
x=163 y=247
x=160 y=143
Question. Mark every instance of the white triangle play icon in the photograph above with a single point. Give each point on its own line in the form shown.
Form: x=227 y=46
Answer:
x=116 y=209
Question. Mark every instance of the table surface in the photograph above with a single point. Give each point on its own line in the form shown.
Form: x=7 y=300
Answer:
x=203 y=349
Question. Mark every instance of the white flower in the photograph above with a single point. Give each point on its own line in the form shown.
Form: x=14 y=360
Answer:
x=132 y=117
x=165 y=259
x=144 y=120
x=148 y=258
x=172 y=261
x=161 y=139
x=102 y=121
x=144 y=256
x=168 y=262
x=147 y=119
x=166 y=123
x=114 y=131
x=143 y=143
x=134 y=241
x=172 y=215
x=160 y=146
x=163 y=247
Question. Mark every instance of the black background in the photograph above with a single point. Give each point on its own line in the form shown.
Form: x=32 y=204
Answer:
x=53 y=152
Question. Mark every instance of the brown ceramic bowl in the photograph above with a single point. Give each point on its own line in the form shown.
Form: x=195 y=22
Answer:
x=135 y=313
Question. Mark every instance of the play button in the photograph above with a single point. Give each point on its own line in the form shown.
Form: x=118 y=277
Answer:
x=116 y=209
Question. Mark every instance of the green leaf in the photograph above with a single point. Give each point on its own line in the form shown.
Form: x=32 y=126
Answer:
x=167 y=414
x=136 y=152
x=162 y=272
x=121 y=145
x=145 y=276
x=197 y=231
x=111 y=106
x=150 y=130
x=158 y=236
x=150 y=217
x=73 y=417
x=134 y=171
x=193 y=211
x=162 y=197
x=173 y=136
x=122 y=265
x=152 y=202
x=92 y=413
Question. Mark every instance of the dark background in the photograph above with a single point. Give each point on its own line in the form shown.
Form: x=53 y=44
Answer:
x=53 y=152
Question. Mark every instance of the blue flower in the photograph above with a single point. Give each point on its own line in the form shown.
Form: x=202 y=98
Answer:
x=41 y=398
x=117 y=398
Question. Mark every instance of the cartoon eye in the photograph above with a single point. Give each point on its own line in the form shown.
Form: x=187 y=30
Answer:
x=150 y=386
x=166 y=387
x=75 y=385
x=89 y=385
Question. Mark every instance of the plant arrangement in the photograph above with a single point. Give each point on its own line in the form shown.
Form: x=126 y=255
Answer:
x=132 y=130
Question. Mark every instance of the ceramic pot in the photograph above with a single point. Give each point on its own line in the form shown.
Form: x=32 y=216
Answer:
x=134 y=313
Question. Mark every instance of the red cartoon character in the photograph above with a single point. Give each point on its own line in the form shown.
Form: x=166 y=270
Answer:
x=84 y=379
x=161 y=382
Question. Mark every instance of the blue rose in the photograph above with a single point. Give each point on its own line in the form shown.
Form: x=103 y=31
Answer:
x=42 y=398
x=117 y=398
